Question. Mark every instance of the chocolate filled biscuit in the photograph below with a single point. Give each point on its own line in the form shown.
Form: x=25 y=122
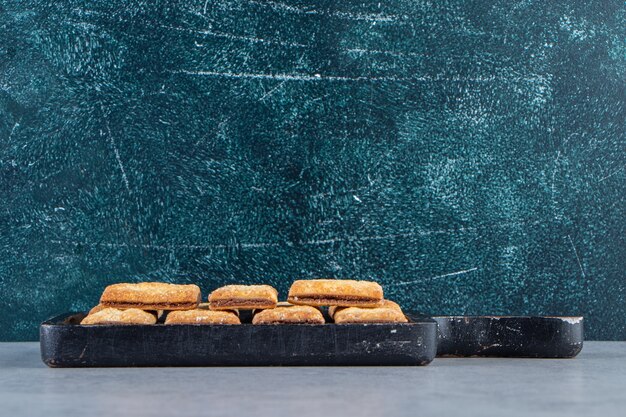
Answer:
x=114 y=316
x=357 y=315
x=99 y=307
x=289 y=315
x=151 y=296
x=202 y=317
x=385 y=304
x=243 y=297
x=335 y=292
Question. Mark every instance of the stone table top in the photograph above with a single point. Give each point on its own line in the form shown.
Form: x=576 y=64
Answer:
x=591 y=384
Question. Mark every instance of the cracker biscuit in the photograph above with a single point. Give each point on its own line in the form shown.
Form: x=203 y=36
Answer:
x=243 y=297
x=151 y=296
x=386 y=304
x=289 y=315
x=335 y=292
x=99 y=307
x=121 y=317
x=202 y=317
x=352 y=315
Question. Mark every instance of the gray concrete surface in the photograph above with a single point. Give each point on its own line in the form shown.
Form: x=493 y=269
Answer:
x=592 y=384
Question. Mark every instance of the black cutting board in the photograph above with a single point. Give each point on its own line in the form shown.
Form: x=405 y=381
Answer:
x=509 y=336
x=65 y=343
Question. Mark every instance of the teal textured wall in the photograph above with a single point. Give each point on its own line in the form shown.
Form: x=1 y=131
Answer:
x=468 y=155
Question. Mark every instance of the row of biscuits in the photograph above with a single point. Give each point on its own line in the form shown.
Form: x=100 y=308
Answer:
x=349 y=301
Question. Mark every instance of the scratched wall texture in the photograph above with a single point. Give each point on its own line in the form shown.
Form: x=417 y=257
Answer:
x=469 y=155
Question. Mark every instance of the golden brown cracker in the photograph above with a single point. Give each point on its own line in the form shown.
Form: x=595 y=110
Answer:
x=243 y=297
x=114 y=316
x=386 y=304
x=335 y=292
x=151 y=296
x=202 y=317
x=353 y=315
x=289 y=315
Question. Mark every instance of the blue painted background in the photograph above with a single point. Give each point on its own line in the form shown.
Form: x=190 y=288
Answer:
x=468 y=155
